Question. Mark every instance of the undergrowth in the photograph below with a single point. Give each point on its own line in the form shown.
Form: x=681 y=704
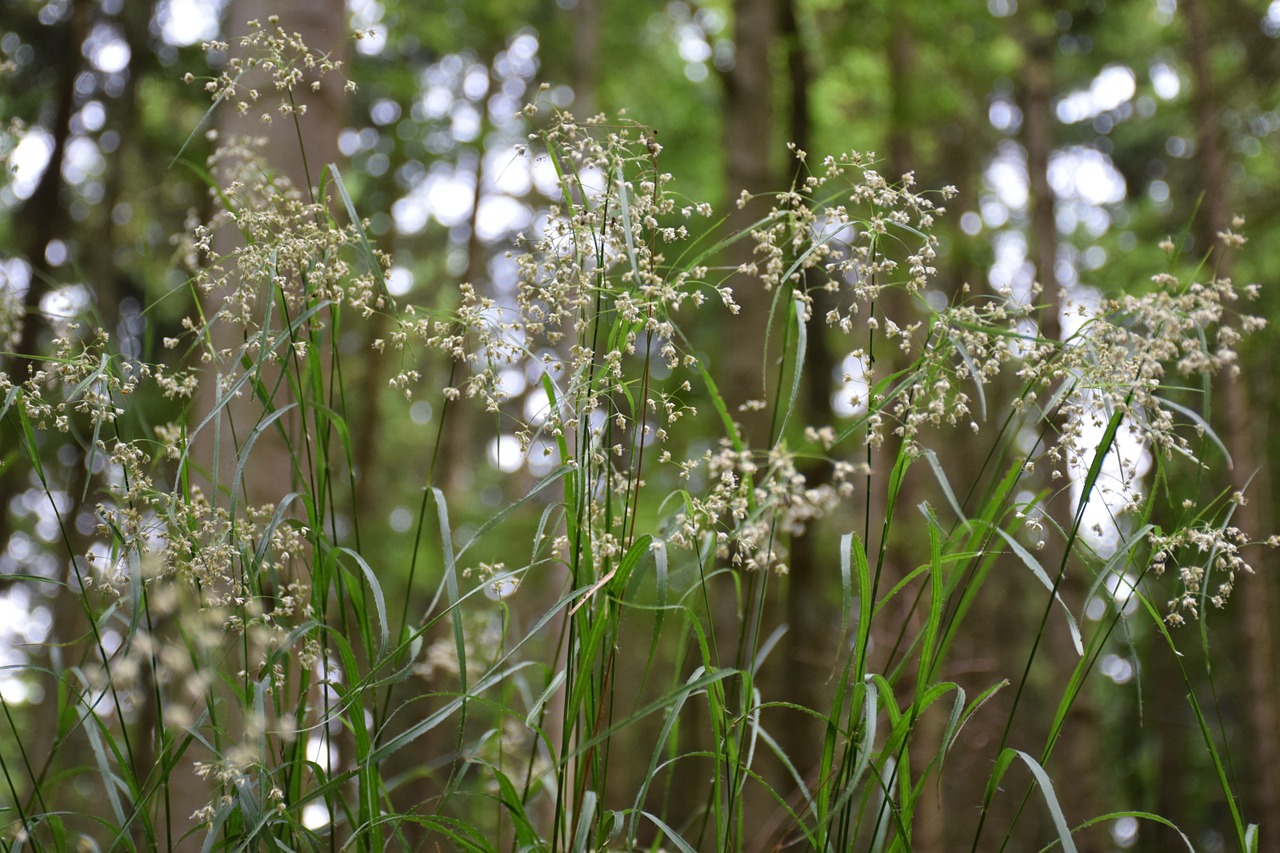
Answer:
x=260 y=674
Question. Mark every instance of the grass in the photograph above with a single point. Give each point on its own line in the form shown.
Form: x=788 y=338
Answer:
x=598 y=663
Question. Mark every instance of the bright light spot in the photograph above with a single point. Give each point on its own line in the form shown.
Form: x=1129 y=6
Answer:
x=500 y=588
x=1125 y=831
x=350 y=142
x=1079 y=305
x=504 y=454
x=696 y=72
x=110 y=57
x=692 y=46
x=1123 y=589
x=315 y=815
x=93 y=115
x=1165 y=81
x=1119 y=482
x=466 y=122
x=543 y=458
x=1122 y=592
x=1086 y=174
x=82 y=160
x=13 y=613
x=445 y=194
x=475 y=83
x=364 y=13
x=507 y=172
x=1007 y=175
x=56 y=254
x=561 y=96
x=420 y=412
x=971 y=223
x=399 y=281
x=1011 y=272
x=366 y=19
x=13 y=691
x=1118 y=669
x=15 y=276
x=850 y=398
x=1004 y=115
x=401 y=519
x=28 y=161
x=1073 y=213
x=1113 y=86
x=65 y=302
x=111 y=642
x=994 y=214
x=374 y=40
x=537 y=406
x=437 y=100
x=187 y=22
x=523 y=54
x=1159 y=191
x=501 y=216
x=1271 y=21
x=711 y=21
x=544 y=178
x=594 y=182
x=1002 y=8
x=321 y=752
x=511 y=382
x=1094 y=257
x=384 y=111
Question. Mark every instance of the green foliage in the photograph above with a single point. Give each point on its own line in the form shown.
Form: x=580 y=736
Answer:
x=557 y=618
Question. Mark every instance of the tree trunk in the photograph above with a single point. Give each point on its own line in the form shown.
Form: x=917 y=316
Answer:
x=1263 y=794
x=1037 y=126
x=748 y=127
x=323 y=28
x=585 y=57
x=298 y=153
x=809 y=646
x=1081 y=782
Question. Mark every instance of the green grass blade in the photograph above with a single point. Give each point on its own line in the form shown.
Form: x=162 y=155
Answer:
x=1029 y=560
x=379 y=601
x=1051 y=799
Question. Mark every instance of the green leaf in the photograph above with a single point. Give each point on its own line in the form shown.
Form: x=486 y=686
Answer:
x=1029 y=560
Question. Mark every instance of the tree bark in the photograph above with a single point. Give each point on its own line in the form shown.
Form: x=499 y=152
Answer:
x=585 y=57
x=1036 y=90
x=299 y=154
x=322 y=26
x=810 y=650
x=1263 y=794
x=1080 y=778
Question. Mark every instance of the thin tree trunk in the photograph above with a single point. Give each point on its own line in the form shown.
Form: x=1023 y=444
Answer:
x=749 y=134
x=585 y=56
x=748 y=127
x=1081 y=780
x=322 y=26
x=1263 y=795
x=810 y=647
x=1036 y=90
x=41 y=219
x=269 y=476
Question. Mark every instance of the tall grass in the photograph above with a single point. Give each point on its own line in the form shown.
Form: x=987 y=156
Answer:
x=562 y=674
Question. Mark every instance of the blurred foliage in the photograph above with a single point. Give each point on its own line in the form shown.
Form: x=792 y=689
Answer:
x=441 y=87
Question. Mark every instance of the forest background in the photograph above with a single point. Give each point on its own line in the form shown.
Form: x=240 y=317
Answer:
x=1078 y=137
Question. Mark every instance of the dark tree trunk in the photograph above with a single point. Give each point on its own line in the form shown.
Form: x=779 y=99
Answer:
x=1262 y=796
